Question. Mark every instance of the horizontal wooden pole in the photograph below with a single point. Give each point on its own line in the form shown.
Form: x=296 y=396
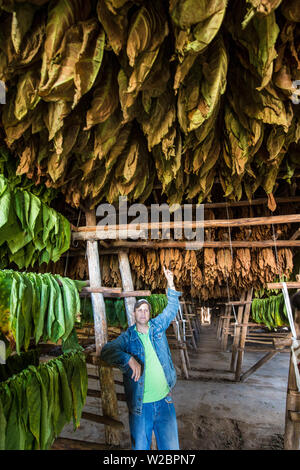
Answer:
x=258 y=341
x=97 y=394
x=279 y=285
x=96 y=377
x=246 y=221
x=64 y=443
x=193 y=245
x=113 y=423
x=102 y=290
x=254 y=202
x=282 y=342
x=133 y=293
x=244 y=203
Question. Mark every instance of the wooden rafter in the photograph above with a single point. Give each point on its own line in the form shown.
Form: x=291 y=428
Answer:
x=242 y=222
x=193 y=245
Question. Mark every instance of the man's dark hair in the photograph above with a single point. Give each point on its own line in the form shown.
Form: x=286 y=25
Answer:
x=140 y=302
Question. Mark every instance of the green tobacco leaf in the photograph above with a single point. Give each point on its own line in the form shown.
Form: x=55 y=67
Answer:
x=70 y=304
x=5 y=201
x=2 y=426
x=34 y=401
x=58 y=328
x=65 y=392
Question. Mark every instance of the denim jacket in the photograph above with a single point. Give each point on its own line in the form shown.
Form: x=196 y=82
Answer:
x=119 y=351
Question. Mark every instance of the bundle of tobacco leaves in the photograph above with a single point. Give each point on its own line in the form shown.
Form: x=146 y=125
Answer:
x=107 y=98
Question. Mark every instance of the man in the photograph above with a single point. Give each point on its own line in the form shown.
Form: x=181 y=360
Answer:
x=142 y=353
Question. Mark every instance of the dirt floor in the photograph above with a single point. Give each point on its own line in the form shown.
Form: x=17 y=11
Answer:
x=213 y=411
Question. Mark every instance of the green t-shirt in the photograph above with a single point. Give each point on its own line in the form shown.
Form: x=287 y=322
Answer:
x=155 y=386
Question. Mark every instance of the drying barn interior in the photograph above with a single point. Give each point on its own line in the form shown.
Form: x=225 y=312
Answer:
x=123 y=108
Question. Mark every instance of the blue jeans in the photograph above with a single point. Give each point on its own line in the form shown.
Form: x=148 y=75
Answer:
x=160 y=417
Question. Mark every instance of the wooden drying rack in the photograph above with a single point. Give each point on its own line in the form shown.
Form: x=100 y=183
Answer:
x=241 y=335
x=90 y=234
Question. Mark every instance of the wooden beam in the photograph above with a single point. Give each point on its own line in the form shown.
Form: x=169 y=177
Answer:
x=296 y=234
x=246 y=221
x=242 y=339
x=258 y=364
x=127 y=284
x=102 y=290
x=95 y=282
x=109 y=251
x=292 y=428
x=283 y=342
x=109 y=397
x=279 y=285
x=97 y=394
x=238 y=302
x=254 y=202
x=113 y=423
x=193 y=245
x=64 y=443
x=225 y=328
x=237 y=331
x=133 y=293
x=95 y=377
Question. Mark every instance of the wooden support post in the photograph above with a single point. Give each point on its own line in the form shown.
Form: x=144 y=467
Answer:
x=95 y=281
x=225 y=330
x=197 y=322
x=176 y=329
x=292 y=430
x=127 y=285
x=109 y=397
x=183 y=335
x=220 y=323
x=237 y=333
x=292 y=424
x=243 y=335
x=188 y=322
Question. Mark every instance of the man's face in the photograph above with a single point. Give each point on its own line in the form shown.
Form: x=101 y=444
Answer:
x=142 y=314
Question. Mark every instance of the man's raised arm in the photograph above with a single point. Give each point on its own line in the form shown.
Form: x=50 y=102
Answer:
x=164 y=319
